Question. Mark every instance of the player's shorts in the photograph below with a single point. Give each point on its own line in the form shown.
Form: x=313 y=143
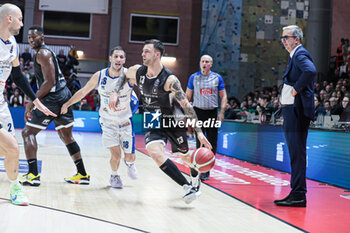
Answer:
x=176 y=137
x=6 y=119
x=118 y=133
x=54 y=102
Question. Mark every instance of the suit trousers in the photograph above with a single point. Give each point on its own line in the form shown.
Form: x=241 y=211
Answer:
x=211 y=133
x=295 y=127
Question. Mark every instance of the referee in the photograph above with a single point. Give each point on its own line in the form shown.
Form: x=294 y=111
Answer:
x=206 y=86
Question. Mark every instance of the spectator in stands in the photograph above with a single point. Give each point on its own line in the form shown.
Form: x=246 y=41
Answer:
x=16 y=99
x=327 y=106
x=345 y=115
x=84 y=106
x=90 y=99
x=27 y=57
x=328 y=89
x=72 y=61
x=232 y=109
x=317 y=87
x=96 y=98
x=343 y=89
x=335 y=107
x=62 y=59
x=319 y=109
x=265 y=108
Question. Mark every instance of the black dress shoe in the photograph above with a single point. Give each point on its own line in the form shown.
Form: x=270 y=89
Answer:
x=291 y=202
x=204 y=176
x=284 y=199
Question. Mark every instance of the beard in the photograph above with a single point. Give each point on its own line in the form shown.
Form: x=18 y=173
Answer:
x=14 y=31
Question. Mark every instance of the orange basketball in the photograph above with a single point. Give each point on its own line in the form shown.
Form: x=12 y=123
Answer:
x=203 y=159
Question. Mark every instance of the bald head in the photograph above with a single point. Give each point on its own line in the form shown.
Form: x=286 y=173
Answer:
x=207 y=57
x=206 y=64
x=10 y=19
x=8 y=9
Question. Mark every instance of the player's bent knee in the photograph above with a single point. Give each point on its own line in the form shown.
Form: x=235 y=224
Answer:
x=73 y=148
x=12 y=151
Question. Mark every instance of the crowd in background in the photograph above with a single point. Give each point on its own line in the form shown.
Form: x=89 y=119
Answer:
x=331 y=97
x=15 y=97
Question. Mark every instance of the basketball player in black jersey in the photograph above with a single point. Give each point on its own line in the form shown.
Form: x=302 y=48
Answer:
x=53 y=93
x=159 y=87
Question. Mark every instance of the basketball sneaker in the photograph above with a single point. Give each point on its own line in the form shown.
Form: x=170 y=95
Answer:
x=78 y=179
x=192 y=193
x=30 y=179
x=132 y=171
x=196 y=181
x=17 y=196
x=116 y=182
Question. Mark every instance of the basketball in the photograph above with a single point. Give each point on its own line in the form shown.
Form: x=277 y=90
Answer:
x=203 y=159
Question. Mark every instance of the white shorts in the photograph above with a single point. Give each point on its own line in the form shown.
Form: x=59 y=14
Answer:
x=118 y=133
x=6 y=119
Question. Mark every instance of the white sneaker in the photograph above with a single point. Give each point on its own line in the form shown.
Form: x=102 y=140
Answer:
x=17 y=196
x=116 y=182
x=132 y=171
x=196 y=182
x=192 y=193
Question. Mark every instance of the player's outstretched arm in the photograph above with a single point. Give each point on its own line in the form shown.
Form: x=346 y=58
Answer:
x=173 y=84
x=89 y=86
x=21 y=81
x=128 y=76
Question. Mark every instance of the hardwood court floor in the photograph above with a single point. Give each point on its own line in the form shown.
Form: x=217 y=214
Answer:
x=153 y=203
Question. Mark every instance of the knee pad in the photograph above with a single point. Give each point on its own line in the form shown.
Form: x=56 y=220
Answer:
x=73 y=148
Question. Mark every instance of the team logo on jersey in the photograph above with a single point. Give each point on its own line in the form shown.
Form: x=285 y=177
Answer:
x=148 y=100
x=45 y=122
x=151 y=120
x=11 y=49
x=142 y=79
x=155 y=88
x=180 y=140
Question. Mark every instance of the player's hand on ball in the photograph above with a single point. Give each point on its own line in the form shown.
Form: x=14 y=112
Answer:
x=203 y=140
x=113 y=101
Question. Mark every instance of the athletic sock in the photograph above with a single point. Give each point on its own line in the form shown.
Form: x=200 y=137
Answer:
x=14 y=182
x=80 y=166
x=194 y=172
x=33 y=166
x=173 y=172
x=114 y=173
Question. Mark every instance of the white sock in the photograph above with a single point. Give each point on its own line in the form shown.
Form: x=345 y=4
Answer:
x=114 y=173
x=129 y=163
x=14 y=182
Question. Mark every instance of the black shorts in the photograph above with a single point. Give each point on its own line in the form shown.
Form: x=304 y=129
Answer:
x=176 y=137
x=54 y=102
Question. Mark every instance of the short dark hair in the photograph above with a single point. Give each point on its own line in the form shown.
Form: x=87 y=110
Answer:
x=265 y=97
x=117 y=48
x=38 y=28
x=158 y=45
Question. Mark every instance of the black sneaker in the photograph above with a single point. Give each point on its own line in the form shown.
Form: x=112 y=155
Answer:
x=204 y=176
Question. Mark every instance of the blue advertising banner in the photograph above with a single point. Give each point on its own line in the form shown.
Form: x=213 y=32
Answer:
x=328 y=153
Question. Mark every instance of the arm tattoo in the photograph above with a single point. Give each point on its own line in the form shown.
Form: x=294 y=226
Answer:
x=180 y=96
x=120 y=82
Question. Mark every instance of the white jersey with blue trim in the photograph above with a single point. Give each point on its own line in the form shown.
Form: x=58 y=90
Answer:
x=8 y=53
x=106 y=85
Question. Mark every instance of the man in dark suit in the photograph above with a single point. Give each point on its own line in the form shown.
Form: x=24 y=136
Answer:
x=297 y=100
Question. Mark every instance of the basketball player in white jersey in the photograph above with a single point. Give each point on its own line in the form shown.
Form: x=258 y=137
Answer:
x=117 y=127
x=10 y=24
